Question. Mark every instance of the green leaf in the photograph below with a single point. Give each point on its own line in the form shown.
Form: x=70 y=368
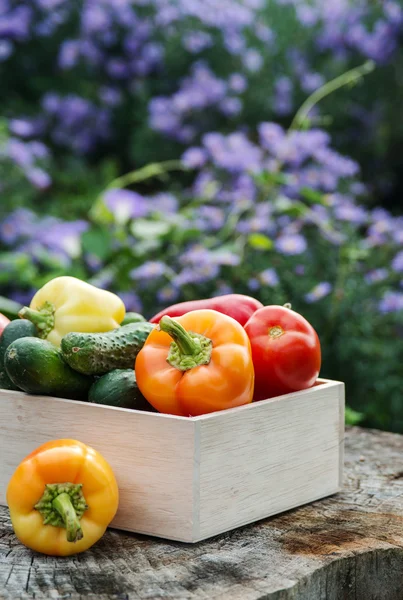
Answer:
x=146 y=229
x=259 y=241
x=312 y=196
x=352 y=417
x=100 y=213
x=96 y=241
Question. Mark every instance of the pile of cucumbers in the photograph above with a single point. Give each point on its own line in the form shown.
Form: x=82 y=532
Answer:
x=95 y=367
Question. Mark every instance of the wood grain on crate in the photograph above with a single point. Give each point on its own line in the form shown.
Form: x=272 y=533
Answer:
x=284 y=453
x=189 y=479
x=151 y=455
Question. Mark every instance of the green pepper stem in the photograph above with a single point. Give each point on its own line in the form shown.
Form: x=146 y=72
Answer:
x=44 y=318
x=62 y=503
x=188 y=349
x=181 y=337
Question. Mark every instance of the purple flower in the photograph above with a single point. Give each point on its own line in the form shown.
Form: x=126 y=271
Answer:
x=6 y=50
x=269 y=277
x=311 y=81
x=391 y=302
x=222 y=289
x=131 y=301
x=397 y=262
x=253 y=284
x=307 y=15
x=151 y=269
x=163 y=202
x=376 y=275
x=231 y=106
x=110 y=96
x=64 y=237
x=252 y=60
x=282 y=101
x=291 y=245
x=167 y=294
x=318 y=292
x=237 y=83
x=271 y=136
x=19 y=223
x=234 y=152
x=348 y=211
x=69 y=54
x=39 y=178
x=194 y=157
x=300 y=270
x=196 y=41
x=337 y=164
x=125 y=204
x=194 y=275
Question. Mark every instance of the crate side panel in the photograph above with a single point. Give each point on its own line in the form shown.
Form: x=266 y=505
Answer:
x=151 y=455
x=278 y=455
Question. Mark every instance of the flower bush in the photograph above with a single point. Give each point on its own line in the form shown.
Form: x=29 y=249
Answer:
x=276 y=214
x=135 y=81
x=265 y=200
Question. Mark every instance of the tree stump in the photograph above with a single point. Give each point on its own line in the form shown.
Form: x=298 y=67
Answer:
x=348 y=546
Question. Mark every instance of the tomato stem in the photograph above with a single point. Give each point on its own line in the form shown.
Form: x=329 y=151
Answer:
x=276 y=332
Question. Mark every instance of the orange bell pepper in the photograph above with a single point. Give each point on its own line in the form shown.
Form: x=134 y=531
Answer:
x=197 y=363
x=62 y=497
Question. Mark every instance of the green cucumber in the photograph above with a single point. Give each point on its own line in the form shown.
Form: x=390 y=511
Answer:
x=133 y=317
x=99 y=353
x=20 y=328
x=36 y=367
x=119 y=388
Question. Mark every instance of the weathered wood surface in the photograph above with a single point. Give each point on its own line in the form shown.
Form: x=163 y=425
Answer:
x=347 y=547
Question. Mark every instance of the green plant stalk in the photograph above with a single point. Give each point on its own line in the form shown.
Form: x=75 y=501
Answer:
x=347 y=78
x=150 y=170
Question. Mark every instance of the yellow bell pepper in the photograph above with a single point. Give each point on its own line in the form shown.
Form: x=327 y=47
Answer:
x=62 y=497
x=67 y=304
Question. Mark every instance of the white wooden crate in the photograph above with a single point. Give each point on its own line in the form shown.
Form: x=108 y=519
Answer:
x=188 y=479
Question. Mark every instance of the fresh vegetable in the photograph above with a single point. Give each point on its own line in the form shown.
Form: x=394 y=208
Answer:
x=119 y=388
x=286 y=351
x=99 y=353
x=14 y=330
x=62 y=497
x=237 y=306
x=4 y=321
x=9 y=308
x=133 y=317
x=36 y=366
x=67 y=304
x=197 y=363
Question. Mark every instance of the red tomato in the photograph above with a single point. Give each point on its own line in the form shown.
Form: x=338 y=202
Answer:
x=3 y=323
x=285 y=350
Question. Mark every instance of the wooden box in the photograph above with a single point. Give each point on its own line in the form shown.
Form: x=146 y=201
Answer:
x=188 y=479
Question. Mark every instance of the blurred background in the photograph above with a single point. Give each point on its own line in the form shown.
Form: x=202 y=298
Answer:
x=175 y=149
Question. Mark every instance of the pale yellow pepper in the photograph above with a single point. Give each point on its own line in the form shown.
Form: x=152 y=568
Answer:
x=67 y=304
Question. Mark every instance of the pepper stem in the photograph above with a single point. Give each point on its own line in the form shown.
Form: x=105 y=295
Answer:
x=189 y=349
x=62 y=503
x=44 y=318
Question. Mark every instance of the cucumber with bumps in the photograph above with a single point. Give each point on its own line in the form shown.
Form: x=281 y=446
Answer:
x=99 y=353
